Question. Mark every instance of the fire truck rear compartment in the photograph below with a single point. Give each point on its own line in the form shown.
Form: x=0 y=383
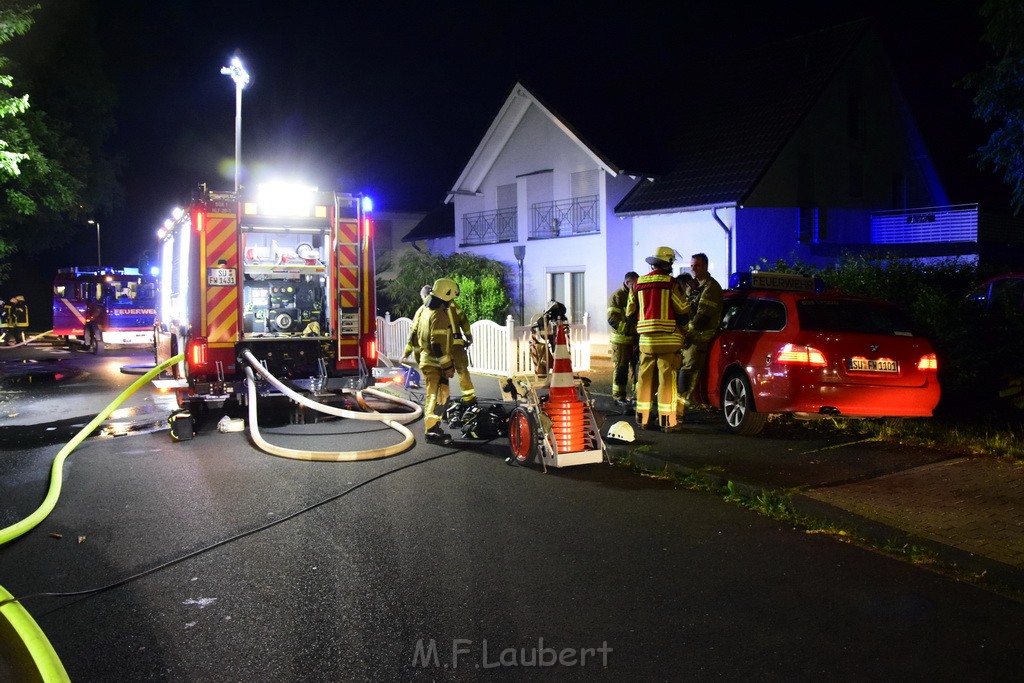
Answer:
x=279 y=306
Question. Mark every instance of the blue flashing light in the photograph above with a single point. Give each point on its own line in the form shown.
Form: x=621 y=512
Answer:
x=154 y=271
x=367 y=204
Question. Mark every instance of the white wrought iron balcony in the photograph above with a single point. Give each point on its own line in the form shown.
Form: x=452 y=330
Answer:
x=490 y=227
x=564 y=218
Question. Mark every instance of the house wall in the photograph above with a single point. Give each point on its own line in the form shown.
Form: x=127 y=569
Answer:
x=764 y=236
x=689 y=233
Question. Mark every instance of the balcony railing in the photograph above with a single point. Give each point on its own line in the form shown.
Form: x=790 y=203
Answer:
x=564 y=218
x=957 y=223
x=489 y=227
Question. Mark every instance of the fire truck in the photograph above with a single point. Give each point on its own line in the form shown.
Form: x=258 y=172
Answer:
x=94 y=306
x=285 y=273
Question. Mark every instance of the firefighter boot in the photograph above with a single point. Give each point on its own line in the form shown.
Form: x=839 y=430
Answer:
x=669 y=425
x=438 y=436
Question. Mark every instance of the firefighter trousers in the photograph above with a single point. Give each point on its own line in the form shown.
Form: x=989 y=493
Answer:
x=624 y=371
x=460 y=359
x=666 y=366
x=436 y=395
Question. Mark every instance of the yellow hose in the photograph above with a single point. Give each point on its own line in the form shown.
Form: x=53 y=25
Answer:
x=20 y=621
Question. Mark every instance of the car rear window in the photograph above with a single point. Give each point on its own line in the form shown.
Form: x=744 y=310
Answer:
x=846 y=315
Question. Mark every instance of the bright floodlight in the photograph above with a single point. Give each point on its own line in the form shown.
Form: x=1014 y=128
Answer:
x=286 y=199
x=237 y=72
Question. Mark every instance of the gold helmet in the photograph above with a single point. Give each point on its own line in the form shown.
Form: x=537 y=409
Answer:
x=662 y=255
x=445 y=289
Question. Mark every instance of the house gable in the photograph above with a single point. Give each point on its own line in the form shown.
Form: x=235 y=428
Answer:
x=501 y=130
x=748 y=108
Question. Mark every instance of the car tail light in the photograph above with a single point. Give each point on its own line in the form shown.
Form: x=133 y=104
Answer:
x=929 y=362
x=799 y=354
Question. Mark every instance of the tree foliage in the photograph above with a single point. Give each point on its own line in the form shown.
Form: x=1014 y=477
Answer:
x=999 y=95
x=54 y=173
x=483 y=284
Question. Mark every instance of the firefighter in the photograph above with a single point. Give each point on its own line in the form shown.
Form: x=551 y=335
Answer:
x=462 y=337
x=95 y=321
x=657 y=301
x=622 y=337
x=434 y=336
x=706 y=301
x=412 y=343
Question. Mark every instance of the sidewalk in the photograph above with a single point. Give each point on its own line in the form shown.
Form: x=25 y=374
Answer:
x=969 y=511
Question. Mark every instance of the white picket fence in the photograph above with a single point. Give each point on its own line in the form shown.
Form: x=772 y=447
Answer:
x=497 y=349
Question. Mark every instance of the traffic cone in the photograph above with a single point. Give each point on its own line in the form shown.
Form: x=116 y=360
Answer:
x=562 y=387
x=563 y=406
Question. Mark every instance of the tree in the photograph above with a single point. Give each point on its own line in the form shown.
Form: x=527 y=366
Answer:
x=54 y=173
x=483 y=284
x=999 y=95
x=13 y=22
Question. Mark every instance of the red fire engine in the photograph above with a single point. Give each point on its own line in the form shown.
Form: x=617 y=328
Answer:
x=287 y=274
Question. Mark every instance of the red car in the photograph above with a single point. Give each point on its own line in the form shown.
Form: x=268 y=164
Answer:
x=785 y=347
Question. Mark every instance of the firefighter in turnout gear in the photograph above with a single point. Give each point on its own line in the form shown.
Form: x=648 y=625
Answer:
x=462 y=337
x=622 y=337
x=412 y=344
x=706 y=302
x=434 y=335
x=657 y=301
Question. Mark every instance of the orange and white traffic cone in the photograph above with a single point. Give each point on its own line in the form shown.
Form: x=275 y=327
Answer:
x=563 y=405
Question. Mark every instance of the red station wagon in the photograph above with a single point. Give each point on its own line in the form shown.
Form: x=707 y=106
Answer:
x=785 y=347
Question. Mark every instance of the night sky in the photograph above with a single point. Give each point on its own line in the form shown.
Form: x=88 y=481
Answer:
x=391 y=98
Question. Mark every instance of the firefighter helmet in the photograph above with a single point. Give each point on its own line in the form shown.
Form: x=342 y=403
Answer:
x=444 y=289
x=662 y=255
x=622 y=431
x=425 y=291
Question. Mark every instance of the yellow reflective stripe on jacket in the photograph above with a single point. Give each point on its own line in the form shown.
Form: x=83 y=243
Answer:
x=658 y=303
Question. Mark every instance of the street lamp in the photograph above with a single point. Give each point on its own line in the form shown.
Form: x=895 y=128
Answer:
x=99 y=261
x=241 y=78
x=520 y=251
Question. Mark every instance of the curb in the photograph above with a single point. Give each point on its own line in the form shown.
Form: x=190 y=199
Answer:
x=994 y=574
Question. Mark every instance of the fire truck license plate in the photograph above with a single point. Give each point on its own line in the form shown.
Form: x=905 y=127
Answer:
x=220 y=276
x=861 y=364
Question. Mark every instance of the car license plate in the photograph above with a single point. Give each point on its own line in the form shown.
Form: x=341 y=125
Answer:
x=862 y=364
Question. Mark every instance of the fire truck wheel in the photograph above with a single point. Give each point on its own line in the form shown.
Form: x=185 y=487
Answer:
x=522 y=437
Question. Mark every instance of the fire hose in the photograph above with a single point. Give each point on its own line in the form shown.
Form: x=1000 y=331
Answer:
x=393 y=420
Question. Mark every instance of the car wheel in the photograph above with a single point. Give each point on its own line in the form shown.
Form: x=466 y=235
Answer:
x=522 y=437
x=738 y=406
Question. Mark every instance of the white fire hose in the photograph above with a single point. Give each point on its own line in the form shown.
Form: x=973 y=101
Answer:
x=394 y=420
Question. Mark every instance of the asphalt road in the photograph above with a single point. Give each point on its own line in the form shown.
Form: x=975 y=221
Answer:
x=208 y=560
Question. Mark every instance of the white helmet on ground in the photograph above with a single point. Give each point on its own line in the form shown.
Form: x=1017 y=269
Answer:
x=622 y=431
